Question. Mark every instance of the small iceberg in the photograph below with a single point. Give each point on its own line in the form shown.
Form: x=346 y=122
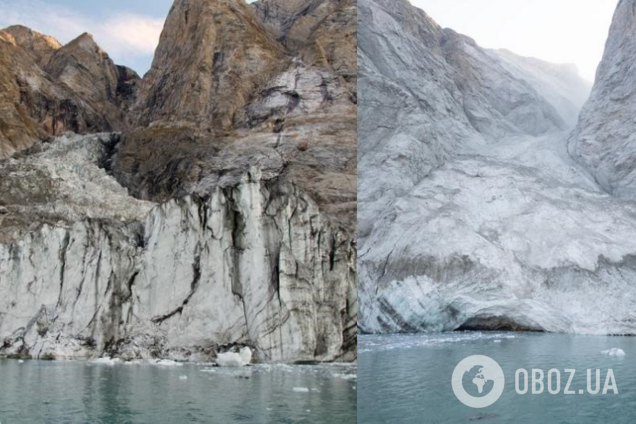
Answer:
x=165 y=363
x=614 y=352
x=106 y=361
x=233 y=359
x=183 y=377
x=301 y=389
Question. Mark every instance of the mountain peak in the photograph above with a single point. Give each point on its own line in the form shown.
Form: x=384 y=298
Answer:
x=38 y=45
x=208 y=50
x=85 y=42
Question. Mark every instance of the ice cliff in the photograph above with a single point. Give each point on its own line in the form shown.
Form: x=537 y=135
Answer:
x=251 y=264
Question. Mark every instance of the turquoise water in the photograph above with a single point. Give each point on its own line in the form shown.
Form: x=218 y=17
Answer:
x=85 y=392
x=407 y=378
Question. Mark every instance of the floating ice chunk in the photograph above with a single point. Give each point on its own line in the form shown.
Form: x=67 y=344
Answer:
x=346 y=376
x=614 y=352
x=246 y=355
x=183 y=377
x=496 y=341
x=232 y=359
x=166 y=363
x=301 y=389
x=106 y=361
x=21 y=361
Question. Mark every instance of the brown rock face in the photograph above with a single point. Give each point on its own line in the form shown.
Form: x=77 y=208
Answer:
x=33 y=106
x=223 y=95
x=17 y=129
x=321 y=32
x=40 y=46
x=89 y=72
x=212 y=55
x=293 y=22
x=333 y=43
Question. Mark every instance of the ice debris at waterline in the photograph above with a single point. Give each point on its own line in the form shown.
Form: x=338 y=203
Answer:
x=106 y=361
x=614 y=352
x=233 y=359
x=114 y=361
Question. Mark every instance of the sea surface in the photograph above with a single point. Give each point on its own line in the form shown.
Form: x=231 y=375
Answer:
x=407 y=378
x=93 y=392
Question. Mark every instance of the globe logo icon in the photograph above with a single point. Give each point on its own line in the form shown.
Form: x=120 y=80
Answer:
x=478 y=381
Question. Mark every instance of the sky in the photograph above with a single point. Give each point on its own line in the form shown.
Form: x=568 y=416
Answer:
x=560 y=31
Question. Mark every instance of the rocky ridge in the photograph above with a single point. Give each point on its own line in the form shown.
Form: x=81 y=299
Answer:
x=604 y=141
x=48 y=89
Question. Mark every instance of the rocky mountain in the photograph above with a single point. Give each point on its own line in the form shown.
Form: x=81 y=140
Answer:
x=483 y=221
x=288 y=116
x=604 y=142
x=48 y=89
x=321 y=32
x=89 y=72
x=33 y=105
x=560 y=84
x=224 y=217
x=428 y=92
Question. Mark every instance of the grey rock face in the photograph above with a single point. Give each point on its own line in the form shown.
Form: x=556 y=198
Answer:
x=560 y=84
x=604 y=141
x=252 y=264
x=428 y=92
x=470 y=217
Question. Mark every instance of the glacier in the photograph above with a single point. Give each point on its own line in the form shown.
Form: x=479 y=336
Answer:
x=88 y=271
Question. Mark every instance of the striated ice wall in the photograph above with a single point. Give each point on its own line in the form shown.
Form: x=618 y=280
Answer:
x=253 y=264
